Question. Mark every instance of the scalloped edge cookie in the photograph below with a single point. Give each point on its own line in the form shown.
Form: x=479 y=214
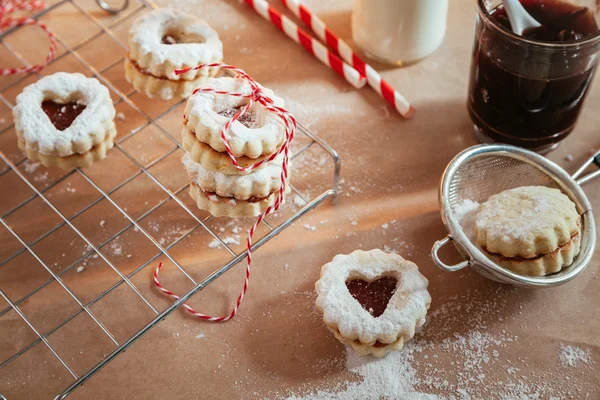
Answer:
x=90 y=128
x=259 y=183
x=163 y=88
x=212 y=160
x=542 y=265
x=526 y=222
x=377 y=351
x=348 y=320
x=264 y=136
x=229 y=207
x=96 y=153
x=161 y=60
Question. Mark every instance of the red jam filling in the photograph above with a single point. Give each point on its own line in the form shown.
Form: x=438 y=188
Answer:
x=373 y=296
x=62 y=115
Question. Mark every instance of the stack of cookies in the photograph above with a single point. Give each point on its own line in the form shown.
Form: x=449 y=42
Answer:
x=530 y=230
x=216 y=184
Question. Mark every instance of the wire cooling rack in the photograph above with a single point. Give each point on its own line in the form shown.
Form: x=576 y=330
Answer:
x=38 y=205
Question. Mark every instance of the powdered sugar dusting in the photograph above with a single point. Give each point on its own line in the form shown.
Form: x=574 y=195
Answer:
x=570 y=356
x=466 y=214
x=480 y=365
x=528 y=215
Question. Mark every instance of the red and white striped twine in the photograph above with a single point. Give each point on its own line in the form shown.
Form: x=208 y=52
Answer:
x=8 y=7
x=255 y=96
x=374 y=80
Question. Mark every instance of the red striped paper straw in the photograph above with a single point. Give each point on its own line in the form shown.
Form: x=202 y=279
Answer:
x=373 y=78
x=294 y=32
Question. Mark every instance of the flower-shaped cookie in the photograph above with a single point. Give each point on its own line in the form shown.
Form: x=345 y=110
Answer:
x=372 y=300
x=230 y=206
x=531 y=230
x=258 y=132
x=165 y=40
x=257 y=184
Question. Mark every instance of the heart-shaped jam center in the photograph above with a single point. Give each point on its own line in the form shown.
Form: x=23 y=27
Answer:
x=248 y=119
x=373 y=296
x=62 y=115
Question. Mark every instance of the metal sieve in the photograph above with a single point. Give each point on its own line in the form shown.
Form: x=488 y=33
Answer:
x=483 y=170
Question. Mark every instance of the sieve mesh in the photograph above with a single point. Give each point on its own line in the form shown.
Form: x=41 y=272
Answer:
x=481 y=176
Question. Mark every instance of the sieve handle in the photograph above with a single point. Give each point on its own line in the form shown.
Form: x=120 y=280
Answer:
x=595 y=159
x=436 y=258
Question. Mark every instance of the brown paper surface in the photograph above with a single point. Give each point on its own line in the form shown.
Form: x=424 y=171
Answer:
x=278 y=345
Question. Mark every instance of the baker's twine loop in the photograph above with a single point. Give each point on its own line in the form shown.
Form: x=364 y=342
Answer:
x=256 y=95
x=7 y=7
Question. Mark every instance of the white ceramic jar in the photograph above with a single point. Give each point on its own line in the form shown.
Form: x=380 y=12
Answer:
x=399 y=31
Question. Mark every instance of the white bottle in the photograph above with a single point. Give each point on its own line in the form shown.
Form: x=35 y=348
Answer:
x=399 y=31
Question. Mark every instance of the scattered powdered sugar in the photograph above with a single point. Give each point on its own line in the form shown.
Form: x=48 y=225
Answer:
x=215 y=243
x=310 y=227
x=116 y=248
x=385 y=226
x=465 y=209
x=80 y=268
x=456 y=357
x=232 y=240
x=391 y=377
x=299 y=201
x=43 y=177
x=466 y=214
x=570 y=356
x=120 y=116
x=31 y=166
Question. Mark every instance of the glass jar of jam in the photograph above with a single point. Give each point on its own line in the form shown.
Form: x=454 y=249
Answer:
x=528 y=90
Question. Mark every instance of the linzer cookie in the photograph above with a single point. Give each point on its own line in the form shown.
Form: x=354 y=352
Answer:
x=372 y=300
x=242 y=175
x=531 y=230
x=257 y=184
x=213 y=160
x=220 y=206
x=256 y=133
x=234 y=195
x=165 y=40
x=65 y=120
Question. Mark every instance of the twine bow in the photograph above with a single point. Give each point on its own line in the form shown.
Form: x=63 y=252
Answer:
x=256 y=95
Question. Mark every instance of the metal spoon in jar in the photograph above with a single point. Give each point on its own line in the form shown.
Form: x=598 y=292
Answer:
x=520 y=20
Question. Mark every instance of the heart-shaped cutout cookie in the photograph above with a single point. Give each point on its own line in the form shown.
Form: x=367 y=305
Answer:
x=373 y=296
x=62 y=115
